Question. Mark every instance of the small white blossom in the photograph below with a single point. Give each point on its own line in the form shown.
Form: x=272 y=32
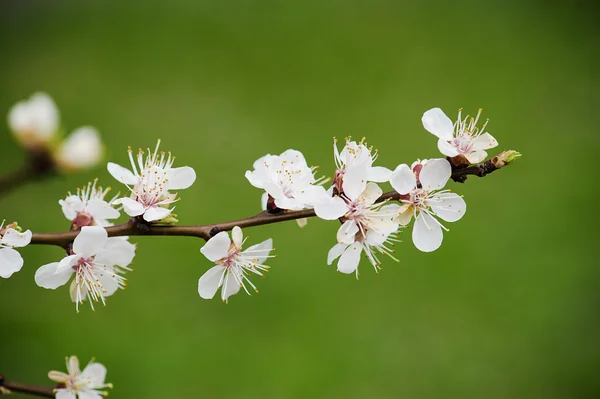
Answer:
x=88 y=207
x=86 y=384
x=286 y=178
x=82 y=149
x=462 y=138
x=11 y=260
x=97 y=263
x=34 y=122
x=355 y=167
x=150 y=184
x=233 y=266
x=422 y=199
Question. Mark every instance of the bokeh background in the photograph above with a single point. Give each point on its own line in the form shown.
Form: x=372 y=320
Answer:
x=507 y=308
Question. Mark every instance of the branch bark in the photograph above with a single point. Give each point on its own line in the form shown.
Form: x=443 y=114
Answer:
x=46 y=392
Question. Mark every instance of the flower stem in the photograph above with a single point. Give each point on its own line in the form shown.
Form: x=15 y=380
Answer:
x=11 y=386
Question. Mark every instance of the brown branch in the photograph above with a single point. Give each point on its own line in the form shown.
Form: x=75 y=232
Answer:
x=39 y=164
x=137 y=227
x=46 y=392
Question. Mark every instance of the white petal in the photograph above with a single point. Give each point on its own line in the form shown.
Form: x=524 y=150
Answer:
x=208 y=284
x=156 y=213
x=435 y=174
x=447 y=149
x=302 y=222
x=379 y=174
x=355 y=180
x=346 y=232
x=264 y=198
x=96 y=372
x=100 y=209
x=10 y=262
x=230 y=286
x=259 y=252
x=90 y=241
x=47 y=276
x=476 y=156
x=331 y=208
x=427 y=233
x=116 y=252
x=350 y=258
x=405 y=215
x=67 y=263
x=403 y=179
x=89 y=395
x=109 y=284
x=436 y=122
x=15 y=239
x=484 y=141
x=70 y=206
x=448 y=206
x=64 y=394
x=217 y=247
x=335 y=252
x=130 y=206
x=81 y=149
x=181 y=178
x=122 y=174
x=237 y=237
x=371 y=193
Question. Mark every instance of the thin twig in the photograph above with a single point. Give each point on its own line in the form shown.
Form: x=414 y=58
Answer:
x=46 y=392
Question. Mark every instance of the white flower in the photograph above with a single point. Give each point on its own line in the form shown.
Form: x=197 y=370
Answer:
x=10 y=260
x=367 y=226
x=35 y=121
x=422 y=200
x=233 y=266
x=96 y=262
x=82 y=149
x=355 y=168
x=461 y=138
x=150 y=185
x=88 y=207
x=86 y=384
x=286 y=178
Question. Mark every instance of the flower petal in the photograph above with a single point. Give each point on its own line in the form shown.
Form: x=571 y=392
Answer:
x=346 y=232
x=335 y=252
x=379 y=174
x=89 y=395
x=64 y=394
x=116 y=252
x=405 y=214
x=231 y=285
x=448 y=206
x=90 y=241
x=355 y=180
x=331 y=208
x=237 y=237
x=403 y=179
x=476 y=156
x=15 y=239
x=264 y=198
x=156 y=213
x=130 y=206
x=181 y=178
x=427 y=234
x=437 y=123
x=446 y=148
x=122 y=174
x=217 y=247
x=81 y=149
x=10 y=262
x=350 y=258
x=100 y=209
x=435 y=174
x=109 y=284
x=260 y=252
x=70 y=206
x=484 y=141
x=210 y=281
x=48 y=277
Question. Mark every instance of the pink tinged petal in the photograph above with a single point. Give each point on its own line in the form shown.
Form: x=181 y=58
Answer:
x=90 y=241
x=217 y=247
x=65 y=394
x=379 y=174
x=96 y=372
x=427 y=234
x=260 y=252
x=67 y=262
x=437 y=123
x=122 y=174
x=100 y=209
x=231 y=286
x=448 y=206
x=347 y=232
x=476 y=156
x=156 y=213
x=371 y=193
x=403 y=179
x=435 y=174
x=48 y=277
x=237 y=237
x=10 y=262
x=210 y=281
x=335 y=252
x=484 y=141
x=181 y=178
x=90 y=395
x=447 y=149
x=355 y=180
x=350 y=258
x=15 y=239
x=130 y=206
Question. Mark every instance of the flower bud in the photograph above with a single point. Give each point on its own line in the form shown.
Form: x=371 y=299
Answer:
x=82 y=149
x=504 y=158
x=34 y=122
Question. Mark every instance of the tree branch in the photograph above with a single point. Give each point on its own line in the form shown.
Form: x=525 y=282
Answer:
x=11 y=386
x=39 y=164
x=137 y=227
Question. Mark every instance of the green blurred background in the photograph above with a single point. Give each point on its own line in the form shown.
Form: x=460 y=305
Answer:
x=507 y=308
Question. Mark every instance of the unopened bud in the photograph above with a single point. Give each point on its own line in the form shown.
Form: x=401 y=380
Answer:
x=34 y=122
x=504 y=158
x=82 y=149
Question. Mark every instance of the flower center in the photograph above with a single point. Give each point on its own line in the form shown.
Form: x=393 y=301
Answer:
x=418 y=198
x=463 y=144
x=83 y=219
